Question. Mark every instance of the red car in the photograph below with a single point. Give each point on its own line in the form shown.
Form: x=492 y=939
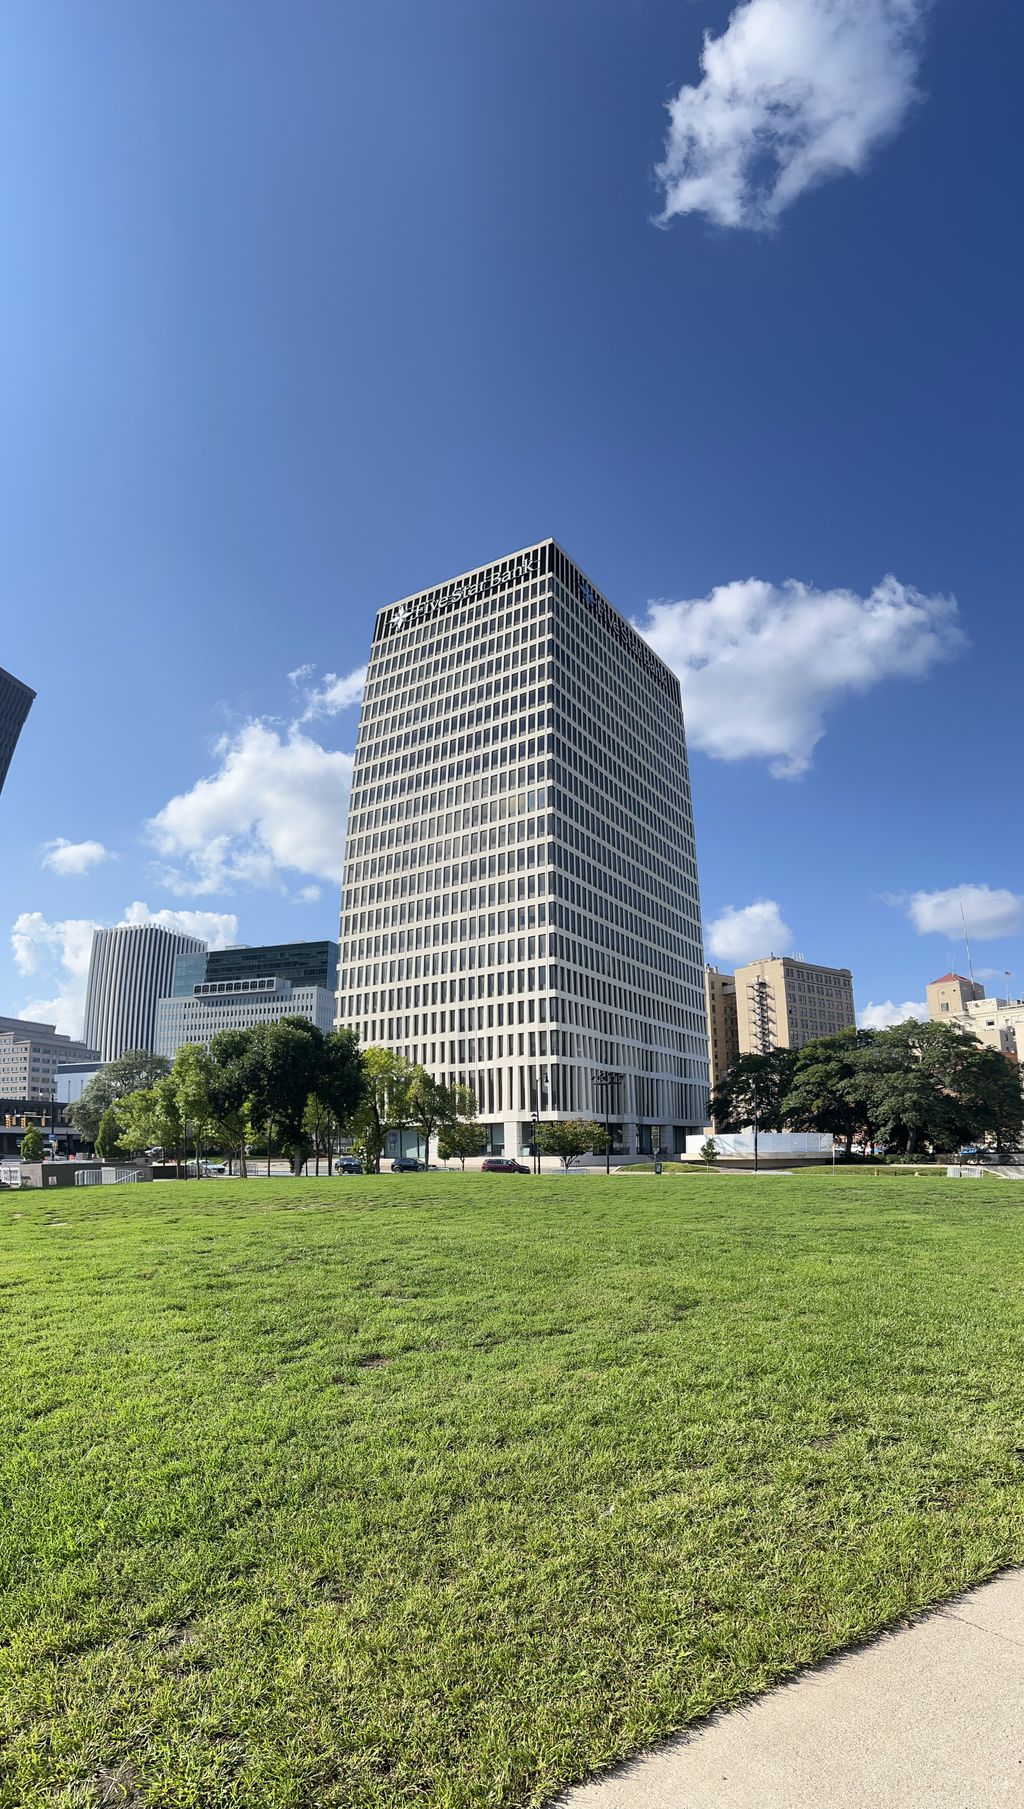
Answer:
x=503 y=1165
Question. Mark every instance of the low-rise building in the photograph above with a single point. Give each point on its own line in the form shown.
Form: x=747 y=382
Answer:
x=998 y=1023
x=30 y=1055
x=235 y=988
x=72 y=1078
x=950 y=995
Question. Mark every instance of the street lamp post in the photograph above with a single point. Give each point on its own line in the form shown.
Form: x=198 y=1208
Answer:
x=534 y=1127
x=753 y=1088
x=605 y=1081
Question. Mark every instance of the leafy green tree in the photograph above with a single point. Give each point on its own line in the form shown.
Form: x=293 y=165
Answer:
x=433 y=1107
x=571 y=1138
x=830 y=1087
x=108 y=1137
x=994 y=1098
x=754 y=1092
x=135 y=1070
x=461 y=1138
x=230 y=1085
x=191 y=1078
x=136 y=1116
x=341 y=1085
x=149 y=1118
x=32 y=1146
x=385 y=1103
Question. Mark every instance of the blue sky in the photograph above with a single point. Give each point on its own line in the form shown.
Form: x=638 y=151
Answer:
x=307 y=307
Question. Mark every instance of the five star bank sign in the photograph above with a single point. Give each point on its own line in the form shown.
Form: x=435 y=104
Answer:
x=461 y=590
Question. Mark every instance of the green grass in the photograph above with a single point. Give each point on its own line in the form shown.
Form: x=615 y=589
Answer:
x=447 y=1491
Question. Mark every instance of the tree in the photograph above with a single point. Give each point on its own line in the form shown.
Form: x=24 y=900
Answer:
x=136 y=1070
x=461 y=1138
x=993 y=1090
x=150 y=1117
x=571 y=1138
x=284 y=1066
x=385 y=1103
x=432 y=1107
x=709 y=1154
x=341 y=1085
x=32 y=1146
x=108 y=1137
x=229 y=1086
x=191 y=1078
x=830 y=1087
x=754 y=1092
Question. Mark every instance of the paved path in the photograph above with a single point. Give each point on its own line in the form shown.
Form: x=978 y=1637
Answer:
x=931 y=1717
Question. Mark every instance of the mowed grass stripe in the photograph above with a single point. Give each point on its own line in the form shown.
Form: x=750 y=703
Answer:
x=449 y=1490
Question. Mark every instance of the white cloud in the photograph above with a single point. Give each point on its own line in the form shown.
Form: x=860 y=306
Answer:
x=58 y=954
x=990 y=912
x=218 y=928
x=62 y=856
x=276 y=801
x=761 y=664
x=791 y=93
x=880 y=1017
x=307 y=895
x=333 y=694
x=746 y=933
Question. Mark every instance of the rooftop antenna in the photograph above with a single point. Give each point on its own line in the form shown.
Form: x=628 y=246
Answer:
x=967 y=946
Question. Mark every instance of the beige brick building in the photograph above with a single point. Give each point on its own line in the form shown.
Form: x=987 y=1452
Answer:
x=998 y=1023
x=782 y=1003
x=950 y=994
x=723 y=1027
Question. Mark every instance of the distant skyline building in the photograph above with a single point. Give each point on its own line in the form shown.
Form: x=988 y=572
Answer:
x=16 y=700
x=31 y=1055
x=998 y=1023
x=723 y=1023
x=130 y=968
x=235 y=988
x=783 y=1002
x=520 y=908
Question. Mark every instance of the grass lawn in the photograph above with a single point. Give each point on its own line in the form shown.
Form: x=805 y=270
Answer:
x=446 y=1491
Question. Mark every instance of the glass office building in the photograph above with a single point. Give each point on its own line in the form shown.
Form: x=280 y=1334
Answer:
x=16 y=700
x=520 y=908
x=235 y=988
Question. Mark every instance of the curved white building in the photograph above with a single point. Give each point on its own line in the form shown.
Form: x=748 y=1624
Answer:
x=130 y=968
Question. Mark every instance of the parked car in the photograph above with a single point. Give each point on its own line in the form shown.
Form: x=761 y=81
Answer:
x=503 y=1165
x=405 y=1165
x=348 y=1165
x=215 y=1168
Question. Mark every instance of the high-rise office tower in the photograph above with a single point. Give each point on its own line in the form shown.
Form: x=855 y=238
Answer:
x=16 y=700
x=520 y=910
x=130 y=968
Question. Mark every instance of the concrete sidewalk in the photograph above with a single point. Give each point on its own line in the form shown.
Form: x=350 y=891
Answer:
x=931 y=1717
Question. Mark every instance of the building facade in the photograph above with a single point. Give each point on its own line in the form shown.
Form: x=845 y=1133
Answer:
x=783 y=1003
x=950 y=995
x=235 y=988
x=16 y=700
x=723 y=1023
x=71 y=1080
x=30 y=1056
x=130 y=968
x=998 y=1023
x=520 y=908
